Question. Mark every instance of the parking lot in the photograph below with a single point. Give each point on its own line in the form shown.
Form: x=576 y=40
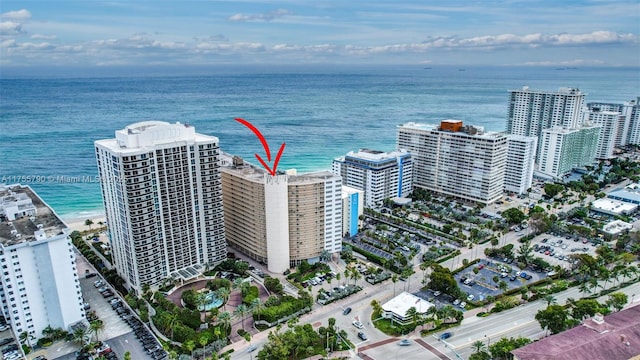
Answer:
x=482 y=284
x=556 y=249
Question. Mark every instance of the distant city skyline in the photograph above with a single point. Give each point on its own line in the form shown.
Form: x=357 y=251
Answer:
x=144 y=33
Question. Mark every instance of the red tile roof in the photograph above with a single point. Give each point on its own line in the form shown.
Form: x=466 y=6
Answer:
x=617 y=339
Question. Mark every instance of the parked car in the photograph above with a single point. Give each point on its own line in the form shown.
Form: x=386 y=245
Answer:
x=470 y=297
x=357 y=324
x=346 y=311
x=362 y=336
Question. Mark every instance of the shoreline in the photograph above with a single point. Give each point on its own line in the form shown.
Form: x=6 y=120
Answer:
x=77 y=223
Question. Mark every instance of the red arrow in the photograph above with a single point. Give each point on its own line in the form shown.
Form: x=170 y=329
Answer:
x=265 y=145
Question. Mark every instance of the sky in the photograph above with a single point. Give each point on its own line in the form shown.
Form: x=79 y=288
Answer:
x=92 y=33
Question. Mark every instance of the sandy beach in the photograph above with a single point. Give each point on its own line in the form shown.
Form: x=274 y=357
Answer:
x=78 y=223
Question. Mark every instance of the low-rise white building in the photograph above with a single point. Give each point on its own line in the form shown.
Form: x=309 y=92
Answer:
x=40 y=285
x=613 y=207
x=616 y=228
x=397 y=307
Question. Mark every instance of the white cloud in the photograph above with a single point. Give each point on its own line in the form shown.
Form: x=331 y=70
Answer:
x=20 y=15
x=272 y=15
x=11 y=28
x=43 y=37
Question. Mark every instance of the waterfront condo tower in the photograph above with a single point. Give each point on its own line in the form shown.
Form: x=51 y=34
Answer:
x=566 y=149
x=40 y=284
x=628 y=127
x=163 y=199
x=281 y=220
x=455 y=160
x=379 y=174
x=532 y=111
x=521 y=155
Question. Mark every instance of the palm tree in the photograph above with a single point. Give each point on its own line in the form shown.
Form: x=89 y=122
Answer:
x=394 y=279
x=241 y=311
x=223 y=293
x=355 y=276
x=478 y=346
x=550 y=299
x=225 y=319
x=88 y=223
x=172 y=320
x=257 y=306
x=413 y=314
x=96 y=326
x=80 y=336
x=377 y=308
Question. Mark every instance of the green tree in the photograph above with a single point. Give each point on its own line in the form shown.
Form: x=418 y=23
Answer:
x=525 y=253
x=88 y=223
x=127 y=356
x=501 y=349
x=96 y=327
x=189 y=345
x=479 y=352
x=223 y=293
x=554 y=318
x=617 y=300
x=513 y=215
x=551 y=189
x=394 y=279
x=241 y=311
x=550 y=299
x=225 y=319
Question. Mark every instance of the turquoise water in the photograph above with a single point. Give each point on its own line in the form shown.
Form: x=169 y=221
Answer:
x=212 y=302
x=48 y=124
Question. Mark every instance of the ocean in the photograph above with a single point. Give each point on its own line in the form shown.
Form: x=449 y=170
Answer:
x=48 y=122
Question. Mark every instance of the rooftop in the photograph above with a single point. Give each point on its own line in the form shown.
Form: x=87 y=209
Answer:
x=454 y=127
x=613 y=206
x=237 y=166
x=404 y=301
x=24 y=227
x=617 y=338
x=616 y=227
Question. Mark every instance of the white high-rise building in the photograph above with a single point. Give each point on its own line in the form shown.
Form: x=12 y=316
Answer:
x=566 y=149
x=628 y=127
x=40 y=285
x=531 y=111
x=379 y=174
x=521 y=155
x=611 y=123
x=284 y=219
x=163 y=200
x=456 y=160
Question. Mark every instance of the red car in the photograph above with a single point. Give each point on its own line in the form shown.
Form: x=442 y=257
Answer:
x=481 y=266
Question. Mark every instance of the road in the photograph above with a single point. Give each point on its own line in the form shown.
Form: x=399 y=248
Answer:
x=518 y=321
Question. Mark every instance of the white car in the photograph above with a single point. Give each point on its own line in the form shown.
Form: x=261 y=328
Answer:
x=462 y=305
x=456 y=302
x=470 y=297
x=358 y=324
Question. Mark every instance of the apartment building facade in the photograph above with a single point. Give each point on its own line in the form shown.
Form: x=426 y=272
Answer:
x=520 y=164
x=456 y=160
x=281 y=220
x=40 y=285
x=379 y=174
x=163 y=200
x=566 y=149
